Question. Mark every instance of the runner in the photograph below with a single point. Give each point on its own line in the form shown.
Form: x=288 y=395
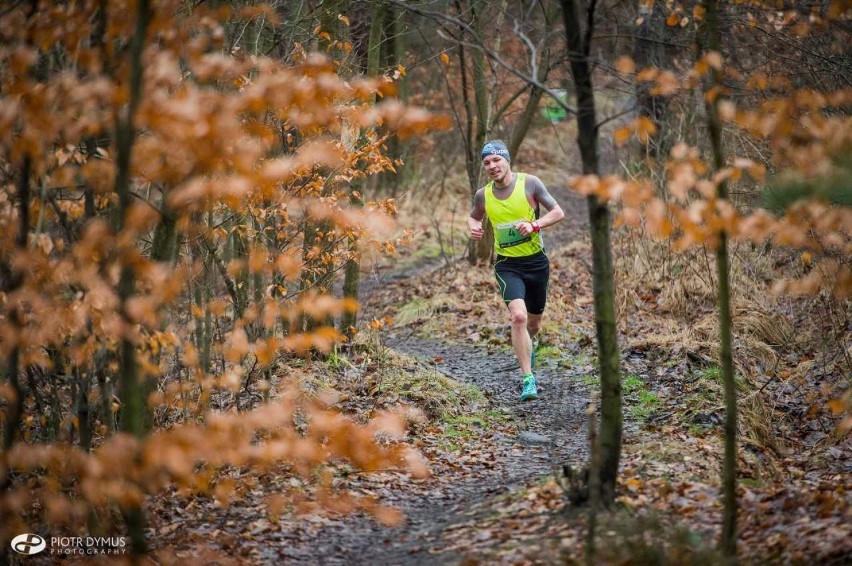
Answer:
x=511 y=201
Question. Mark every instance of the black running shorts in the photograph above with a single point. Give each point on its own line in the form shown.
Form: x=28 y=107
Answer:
x=524 y=278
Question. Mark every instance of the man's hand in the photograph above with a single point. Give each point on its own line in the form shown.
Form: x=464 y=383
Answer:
x=525 y=228
x=475 y=228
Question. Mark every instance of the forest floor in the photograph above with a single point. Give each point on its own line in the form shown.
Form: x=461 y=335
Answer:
x=494 y=495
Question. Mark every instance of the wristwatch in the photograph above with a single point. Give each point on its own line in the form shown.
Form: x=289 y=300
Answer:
x=535 y=226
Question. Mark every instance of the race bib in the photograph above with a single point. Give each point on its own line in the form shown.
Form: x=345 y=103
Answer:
x=508 y=235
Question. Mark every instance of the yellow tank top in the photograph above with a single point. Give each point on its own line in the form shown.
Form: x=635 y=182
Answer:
x=506 y=214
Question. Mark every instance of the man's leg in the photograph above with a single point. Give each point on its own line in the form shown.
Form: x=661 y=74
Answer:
x=521 y=340
x=533 y=324
x=536 y=282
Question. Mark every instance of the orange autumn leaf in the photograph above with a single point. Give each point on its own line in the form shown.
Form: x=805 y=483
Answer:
x=621 y=135
x=625 y=65
x=645 y=128
x=714 y=59
x=388 y=516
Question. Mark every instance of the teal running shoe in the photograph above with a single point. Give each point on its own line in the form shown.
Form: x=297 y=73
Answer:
x=532 y=358
x=529 y=391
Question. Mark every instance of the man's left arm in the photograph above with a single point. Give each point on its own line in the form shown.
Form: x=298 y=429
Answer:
x=543 y=197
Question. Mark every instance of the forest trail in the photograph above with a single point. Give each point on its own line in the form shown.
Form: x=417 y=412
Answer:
x=547 y=433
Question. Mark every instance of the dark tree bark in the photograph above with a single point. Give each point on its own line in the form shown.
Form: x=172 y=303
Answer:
x=164 y=247
x=609 y=438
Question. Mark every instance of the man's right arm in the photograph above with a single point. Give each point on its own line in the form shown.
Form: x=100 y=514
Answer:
x=474 y=221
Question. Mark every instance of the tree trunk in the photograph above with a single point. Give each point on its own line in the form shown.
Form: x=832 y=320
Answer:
x=133 y=402
x=394 y=54
x=83 y=380
x=480 y=249
x=603 y=278
x=522 y=126
x=164 y=247
x=728 y=543
x=89 y=194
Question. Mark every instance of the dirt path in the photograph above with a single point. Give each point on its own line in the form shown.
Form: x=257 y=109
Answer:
x=550 y=431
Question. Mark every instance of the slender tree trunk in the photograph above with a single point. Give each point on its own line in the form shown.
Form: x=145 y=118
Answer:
x=133 y=402
x=164 y=247
x=329 y=10
x=352 y=271
x=207 y=294
x=603 y=277
x=479 y=249
x=523 y=124
x=292 y=13
x=594 y=486
x=89 y=194
x=316 y=273
x=482 y=97
x=728 y=543
x=105 y=385
x=84 y=422
x=394 y=52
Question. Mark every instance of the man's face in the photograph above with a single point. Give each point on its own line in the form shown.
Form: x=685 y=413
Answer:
x=496 y=167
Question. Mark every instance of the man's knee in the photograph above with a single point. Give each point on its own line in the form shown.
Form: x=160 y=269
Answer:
x=519 y=318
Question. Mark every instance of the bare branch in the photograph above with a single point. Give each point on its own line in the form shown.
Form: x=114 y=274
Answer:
x=477 y=43
x=616 y=116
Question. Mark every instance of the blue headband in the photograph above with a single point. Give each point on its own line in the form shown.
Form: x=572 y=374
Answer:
x=495 y=148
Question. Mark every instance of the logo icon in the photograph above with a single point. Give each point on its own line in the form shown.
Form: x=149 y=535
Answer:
x=28 y=543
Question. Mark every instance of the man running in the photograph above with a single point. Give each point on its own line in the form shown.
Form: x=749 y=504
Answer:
x=511 y=202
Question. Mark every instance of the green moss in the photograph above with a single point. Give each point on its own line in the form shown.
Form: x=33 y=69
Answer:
x=449 y=446
x=471 y=426
x=640 y=401
x=591 y=380
x=647 y=404
x=713 y=373
x=570 y=361
x=632 y=384
x=696 y=429
x=412 y=311
x=547 y=353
